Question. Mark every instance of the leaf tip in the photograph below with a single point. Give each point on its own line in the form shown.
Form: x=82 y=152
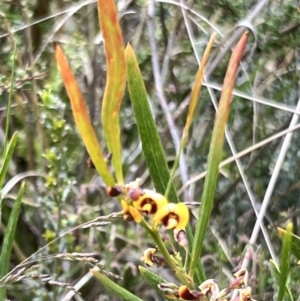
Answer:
x=93 y=270
x=55 y=45
x=128 y=49
x=280 y=231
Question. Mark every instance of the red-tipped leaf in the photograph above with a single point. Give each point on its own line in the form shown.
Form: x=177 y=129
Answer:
x=115 y=81
x=81 y=116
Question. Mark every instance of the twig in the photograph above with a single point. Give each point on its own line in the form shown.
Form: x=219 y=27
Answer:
x=271 y=186
x=240 y=154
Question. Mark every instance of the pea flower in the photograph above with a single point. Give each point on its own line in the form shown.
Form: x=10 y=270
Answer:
x=172 y=216
x=130 y=213
x=210 y=288
x=170 y=290
x=180 y=237
x=152 y=260
x=186 y=294
x=147 y=201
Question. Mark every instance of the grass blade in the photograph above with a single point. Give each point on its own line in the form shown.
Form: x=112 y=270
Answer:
x=215 y=152
x=118 y=290
x=81 y=116
x=9 y=239
x=115 y=81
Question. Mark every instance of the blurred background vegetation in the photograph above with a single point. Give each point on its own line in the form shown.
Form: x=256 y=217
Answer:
x=62 y=192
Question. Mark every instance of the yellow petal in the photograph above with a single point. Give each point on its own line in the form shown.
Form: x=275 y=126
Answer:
x=136 y=215
x=124 y=205
x=163 y=213
x=173 y=216
x=150 y=202
x=172 y=223
x=184 y=215
x=147 y=258
x=131 y=213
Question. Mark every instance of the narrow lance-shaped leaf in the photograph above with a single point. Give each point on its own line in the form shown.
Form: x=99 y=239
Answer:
x=285 y=261
x=295 y=244
x=151 y=143
x=115 y=81
x=197 y=88
x=9 y=239
x=200 y=273
x=276 y=272
x=153 y=279
x=117 y=289
x=192 y=107
x=81 y=116
x=215 y=152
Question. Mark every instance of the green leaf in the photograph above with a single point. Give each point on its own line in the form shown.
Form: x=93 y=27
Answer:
x=7 y=157
x=151 y=143
x=115 y=81
x=192 y=106
x=153 y=279
x=285 y=261
x=215 y=152
x=9 y=239
x=117 y=289
x=81 y=116
x=276 y=272
x=295 y=244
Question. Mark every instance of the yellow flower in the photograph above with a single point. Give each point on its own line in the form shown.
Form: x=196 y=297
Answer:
x=130 y=213
x=150 y=259
x=147 y=258
x=147 y=201
x=172 y=216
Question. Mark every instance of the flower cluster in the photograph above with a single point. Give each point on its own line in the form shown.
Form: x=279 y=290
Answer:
x=137 y=202
x=209 y=290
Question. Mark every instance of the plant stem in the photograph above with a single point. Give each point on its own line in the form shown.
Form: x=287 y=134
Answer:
x=180 y=274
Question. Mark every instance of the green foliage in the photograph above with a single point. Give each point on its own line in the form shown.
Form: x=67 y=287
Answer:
x=152 y=146
x=285 y=261
x=9 y=239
